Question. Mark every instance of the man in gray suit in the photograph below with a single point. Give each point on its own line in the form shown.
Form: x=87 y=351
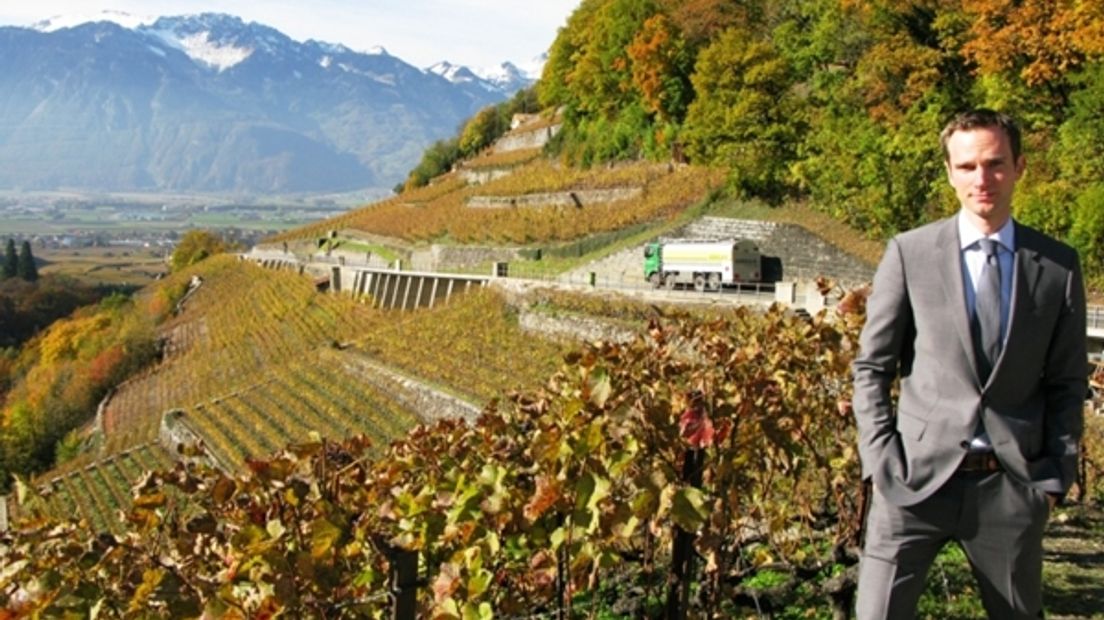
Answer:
x=983 y=321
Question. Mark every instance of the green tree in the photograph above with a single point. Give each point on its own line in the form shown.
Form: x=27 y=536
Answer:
x=195 y=246
x=483 y=129
x=25 y=265
x=11 y=261
x=820 y=39
x=436 y=160
x=1087 y=231
x=556 y=88
x=1079 y=151
x=592 y=60
x=590 y=75
x=1044 y=204
x=744 y=116
x=878 y=80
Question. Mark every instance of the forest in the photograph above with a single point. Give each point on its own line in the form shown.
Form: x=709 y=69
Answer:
x=840 y=103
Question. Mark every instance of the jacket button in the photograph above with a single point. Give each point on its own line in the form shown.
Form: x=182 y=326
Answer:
x=965 y=445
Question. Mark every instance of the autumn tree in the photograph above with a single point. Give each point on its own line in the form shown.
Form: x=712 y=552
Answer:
x=701 y=21
x=661 y=67
x=195 y=246
x=59 y=376
x=1038 y=41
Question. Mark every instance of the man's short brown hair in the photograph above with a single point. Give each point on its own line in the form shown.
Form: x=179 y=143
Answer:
x=977 y=119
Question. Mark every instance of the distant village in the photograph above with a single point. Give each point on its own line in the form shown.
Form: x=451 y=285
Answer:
x=56 y=220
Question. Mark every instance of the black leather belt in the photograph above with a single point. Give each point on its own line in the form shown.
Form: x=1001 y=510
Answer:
x=980 y=462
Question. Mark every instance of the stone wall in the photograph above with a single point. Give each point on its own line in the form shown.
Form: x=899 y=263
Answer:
x=531 y=139
x=578 y=198
x=438 y=257
x=479 y=176
x=574 y=327
x=804 y=255
x=174 y=432
x=424 y=401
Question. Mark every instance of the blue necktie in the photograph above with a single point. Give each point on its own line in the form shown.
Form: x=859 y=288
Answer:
x=987 y=310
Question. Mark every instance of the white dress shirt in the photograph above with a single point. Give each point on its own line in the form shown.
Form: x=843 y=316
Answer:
x=973 y=261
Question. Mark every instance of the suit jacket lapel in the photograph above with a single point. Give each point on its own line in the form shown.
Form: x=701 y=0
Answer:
x=950 y=267
x=1027 y=269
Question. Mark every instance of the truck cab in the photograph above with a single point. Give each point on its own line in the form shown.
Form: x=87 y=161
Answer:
x=653 y=263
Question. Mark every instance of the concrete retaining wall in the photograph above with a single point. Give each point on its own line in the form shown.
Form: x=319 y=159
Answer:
x=578 y=198
x=804 y=255
x=402 y=290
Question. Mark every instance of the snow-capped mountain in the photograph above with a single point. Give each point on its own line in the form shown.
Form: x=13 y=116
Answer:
x=211 y=103
x=506 y=77
x=126 y=20
x=217 y=41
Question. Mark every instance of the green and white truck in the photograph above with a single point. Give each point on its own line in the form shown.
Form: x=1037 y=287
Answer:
x=708 y=265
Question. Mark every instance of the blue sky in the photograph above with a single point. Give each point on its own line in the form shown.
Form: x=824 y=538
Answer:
x=477 y=33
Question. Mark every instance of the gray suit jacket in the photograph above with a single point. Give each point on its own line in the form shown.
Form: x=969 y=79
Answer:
x=917 y=329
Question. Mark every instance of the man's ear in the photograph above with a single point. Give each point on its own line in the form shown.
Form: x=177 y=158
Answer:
x=1021 y=165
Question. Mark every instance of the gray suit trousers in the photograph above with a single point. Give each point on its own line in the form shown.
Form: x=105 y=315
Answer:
x=999 y=522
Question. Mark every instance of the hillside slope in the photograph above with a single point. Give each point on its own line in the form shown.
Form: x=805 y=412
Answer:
x=256 y=359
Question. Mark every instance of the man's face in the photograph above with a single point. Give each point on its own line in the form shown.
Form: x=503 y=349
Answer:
x=983 y=173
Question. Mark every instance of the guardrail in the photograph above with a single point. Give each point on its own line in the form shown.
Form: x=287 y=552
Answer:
x=1095 y=317
x=752 y=291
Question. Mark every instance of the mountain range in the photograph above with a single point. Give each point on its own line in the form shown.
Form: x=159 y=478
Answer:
x=209 y=103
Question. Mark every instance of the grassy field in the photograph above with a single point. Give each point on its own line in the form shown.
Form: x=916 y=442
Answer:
x=111 y=265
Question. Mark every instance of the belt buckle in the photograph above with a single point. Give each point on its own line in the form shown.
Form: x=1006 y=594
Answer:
x=979 y=462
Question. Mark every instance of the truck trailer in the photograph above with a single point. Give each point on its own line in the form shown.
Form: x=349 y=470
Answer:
x=707 y=265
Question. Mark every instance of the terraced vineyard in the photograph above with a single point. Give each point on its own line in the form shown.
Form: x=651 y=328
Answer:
x=257 y=359
x=472 y=346
x=290 y=404
x=239 y=325
x=440 y=211
x=96 y=492
x=492 y=159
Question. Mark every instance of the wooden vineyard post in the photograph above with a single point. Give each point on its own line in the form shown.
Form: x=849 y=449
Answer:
x=682 y=554
x=562 y=596
x=404 y=584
